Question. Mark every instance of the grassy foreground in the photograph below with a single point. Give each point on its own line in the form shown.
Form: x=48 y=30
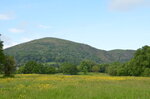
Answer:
x=98 y=86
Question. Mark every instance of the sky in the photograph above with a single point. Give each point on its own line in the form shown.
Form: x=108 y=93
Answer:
x=103 y=24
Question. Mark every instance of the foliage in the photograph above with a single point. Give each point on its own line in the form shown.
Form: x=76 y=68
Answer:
x=49 y=69
x=140 y=64
x=103 y=67
x=85 y=69
x=20 y=70
x=112 y=69
x=32 y=67
x=36 y=68
x=68 y=68
x=87 y=65
x=7 y=63
x=95 y=68
x=117 y=69
x=1 y=56
x=9 y=66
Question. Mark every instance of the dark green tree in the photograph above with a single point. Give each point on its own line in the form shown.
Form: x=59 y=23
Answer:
x=9 y=66
x=146 y=72
x=95 y=68
x=7 y=63
x=1 y=55
x=140 y=64
x=116 y=69
x=86 y=66
x=103 y=67
x=69 y=68
x=37 y=68
x=48 y=69
x=33 y=67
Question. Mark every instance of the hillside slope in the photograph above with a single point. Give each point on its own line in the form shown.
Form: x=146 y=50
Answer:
x=59 y=50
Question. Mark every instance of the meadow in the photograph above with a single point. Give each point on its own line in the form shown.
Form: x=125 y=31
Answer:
x=58 y=86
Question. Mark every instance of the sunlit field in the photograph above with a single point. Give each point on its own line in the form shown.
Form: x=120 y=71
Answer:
x=92 y=86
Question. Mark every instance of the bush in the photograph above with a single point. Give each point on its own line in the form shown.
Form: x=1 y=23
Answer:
x=114 y=69
x=86 y=66
x=68 y=68
x=20 y=70
x=49 y=69
x=95 y=68
x=122 y=71
x=37 y=68
x=33 y=67
x=146 y=72
x=103 y=68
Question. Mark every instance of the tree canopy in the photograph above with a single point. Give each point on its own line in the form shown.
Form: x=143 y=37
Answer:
x=139 y=65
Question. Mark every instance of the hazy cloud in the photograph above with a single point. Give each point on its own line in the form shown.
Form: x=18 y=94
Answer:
x=16 y=30
x=126 y=4
x=6 y=17
x=44 y=26
x=7 y=41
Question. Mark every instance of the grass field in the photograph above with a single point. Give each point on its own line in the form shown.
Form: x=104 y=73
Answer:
x=93 y=86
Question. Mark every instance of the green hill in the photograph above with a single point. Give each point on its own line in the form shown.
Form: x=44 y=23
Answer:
x=59 y=50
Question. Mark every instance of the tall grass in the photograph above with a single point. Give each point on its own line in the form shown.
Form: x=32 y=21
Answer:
x=93 y=86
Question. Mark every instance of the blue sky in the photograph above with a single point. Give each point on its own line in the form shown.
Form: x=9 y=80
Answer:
x=104 y=24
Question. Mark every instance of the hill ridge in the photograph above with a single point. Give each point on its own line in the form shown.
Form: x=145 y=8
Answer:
x=50 y=49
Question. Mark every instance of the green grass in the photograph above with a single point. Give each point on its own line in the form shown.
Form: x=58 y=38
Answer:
x=92 y=86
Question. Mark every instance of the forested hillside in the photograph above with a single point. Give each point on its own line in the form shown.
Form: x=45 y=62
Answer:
x=59 y=50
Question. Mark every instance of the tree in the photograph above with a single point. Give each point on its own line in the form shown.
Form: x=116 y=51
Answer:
x=68 y=68
x=1 y=55
x=7 y=63
x=48 y=69
x=114 y=69
x=86 y=66
x=33 y=67
x=103 y=67
x=20 y=70
x=95 y=68
x=146 y=72
x=85 y=69
x=139 y=65
x=37 y=68
x=9 y=66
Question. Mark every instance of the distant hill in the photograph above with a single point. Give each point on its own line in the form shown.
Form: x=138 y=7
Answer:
x=59 y=50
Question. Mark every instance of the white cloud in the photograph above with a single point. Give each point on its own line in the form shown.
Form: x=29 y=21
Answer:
x=7 y=41
x=44 y=26
x=126 y=4
x=16 y=30
x=6 y=17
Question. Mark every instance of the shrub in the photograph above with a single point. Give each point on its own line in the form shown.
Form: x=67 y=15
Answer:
x=68 y=68
x=146 y=72
x=95 y=68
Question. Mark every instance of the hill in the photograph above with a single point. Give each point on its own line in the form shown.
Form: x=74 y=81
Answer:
x=59 y=50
